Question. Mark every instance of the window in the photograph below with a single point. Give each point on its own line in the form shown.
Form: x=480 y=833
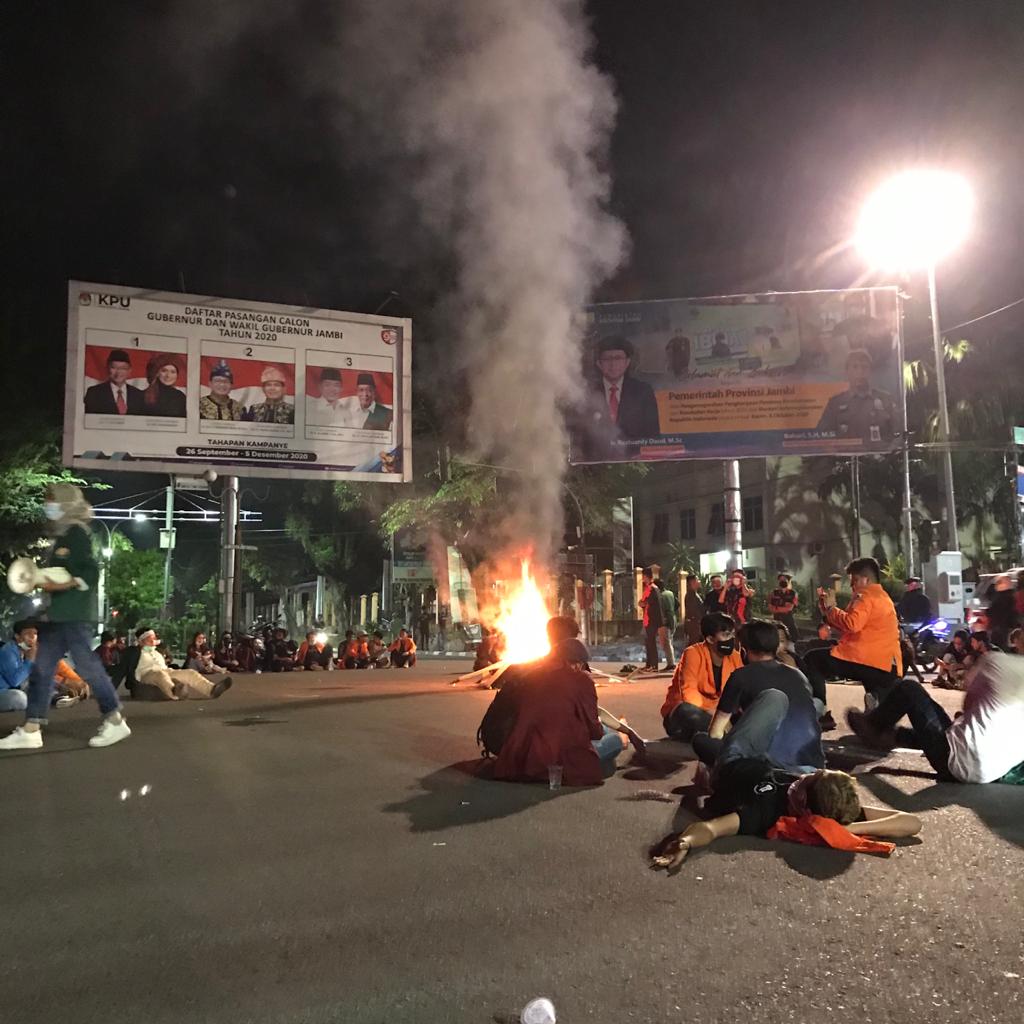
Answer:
x=753 y=514
x=716 y=522
x=659 y=535
x=688 y=524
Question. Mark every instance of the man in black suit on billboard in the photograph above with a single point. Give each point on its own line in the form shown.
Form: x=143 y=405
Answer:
x=621 y=407
x=115 y=396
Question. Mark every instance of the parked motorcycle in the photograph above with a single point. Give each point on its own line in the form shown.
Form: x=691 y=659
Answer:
x=929 y=640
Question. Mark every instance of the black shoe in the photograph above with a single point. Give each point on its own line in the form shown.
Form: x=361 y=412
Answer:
x=221 y=688
x=860 y=723
x=827 y=723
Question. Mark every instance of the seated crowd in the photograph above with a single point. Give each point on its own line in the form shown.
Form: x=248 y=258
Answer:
x=752 y=709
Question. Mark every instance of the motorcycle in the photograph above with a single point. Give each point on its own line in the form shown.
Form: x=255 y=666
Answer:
x=928 y=640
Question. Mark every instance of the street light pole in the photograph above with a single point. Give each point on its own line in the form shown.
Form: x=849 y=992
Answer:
x=940 y=379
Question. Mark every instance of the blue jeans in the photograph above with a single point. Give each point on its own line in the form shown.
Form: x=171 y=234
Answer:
x=751 y=736
x=13 y=700
x=55 y=640
x=608 y=748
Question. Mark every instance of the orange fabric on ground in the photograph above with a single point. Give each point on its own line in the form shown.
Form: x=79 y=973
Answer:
x=814 y=830
x=870 y=630
x=64 y=673
x=693 y=681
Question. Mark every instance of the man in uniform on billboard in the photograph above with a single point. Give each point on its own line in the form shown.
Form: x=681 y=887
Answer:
x=275 y=409
x=115 y=396
x=861 y=411
x=327 y=410
x=364 y=411
x=621 y=406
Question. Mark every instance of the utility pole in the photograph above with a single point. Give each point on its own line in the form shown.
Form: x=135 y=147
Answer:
x=229 y=552
x=952 y=533
x=169 y=534
x=733 y=515
x=855 y=504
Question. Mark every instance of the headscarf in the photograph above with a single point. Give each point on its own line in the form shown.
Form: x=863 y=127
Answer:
x=77 y=511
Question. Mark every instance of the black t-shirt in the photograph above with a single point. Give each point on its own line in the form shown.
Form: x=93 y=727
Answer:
x=798 y=740
x=716 y=670
x=753 y=789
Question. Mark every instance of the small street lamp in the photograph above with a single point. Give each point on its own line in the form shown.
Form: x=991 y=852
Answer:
x=911 y=222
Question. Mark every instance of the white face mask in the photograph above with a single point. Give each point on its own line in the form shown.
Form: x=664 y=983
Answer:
x=24 y=645
x=52 y=510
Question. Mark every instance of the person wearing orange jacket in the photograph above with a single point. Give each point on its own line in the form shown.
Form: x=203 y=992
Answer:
x=869 y=635
x=403 y=650
x=699 y=678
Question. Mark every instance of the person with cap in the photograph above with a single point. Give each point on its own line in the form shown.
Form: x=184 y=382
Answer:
x=274 y=409
x=157 y=682
x=115 y=396
x=68 y=626
x=622 y=408
x=327 y=410
x=362 y=410
x=552 y=718
x=281 y=651
x=162 y=397
x=218 y=404
x=861 y=412
x=783 y=601
x=914 y=606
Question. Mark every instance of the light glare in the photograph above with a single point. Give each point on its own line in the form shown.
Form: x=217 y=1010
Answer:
x=915 y=219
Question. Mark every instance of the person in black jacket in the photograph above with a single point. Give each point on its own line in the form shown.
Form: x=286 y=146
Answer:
x=622 y=409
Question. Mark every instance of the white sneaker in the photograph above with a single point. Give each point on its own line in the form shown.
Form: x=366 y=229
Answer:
x=66 y=701
x=110 y=733
x=21 y=740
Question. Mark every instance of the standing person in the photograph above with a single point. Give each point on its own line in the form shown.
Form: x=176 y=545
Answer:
x=714 y=599
x=115 y=396
x=424 y=630
x=693 y=609
x=68 y=627
x=869 y=644
x=697 y=682
x=915 y=607
x=792 y=738
x=651 y=606
x=737 y=597
x=783 y=601
x=668 y=622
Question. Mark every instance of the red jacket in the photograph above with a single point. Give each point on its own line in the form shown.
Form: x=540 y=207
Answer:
x=555 y=720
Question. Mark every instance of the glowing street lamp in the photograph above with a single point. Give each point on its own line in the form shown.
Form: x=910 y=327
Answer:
x=910 y=223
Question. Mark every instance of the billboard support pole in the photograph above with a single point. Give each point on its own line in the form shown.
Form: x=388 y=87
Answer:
x=733 y=515
x=229 y=552
x=940 y=381
x=908 y=521
x=855 y=504
x=169 y=530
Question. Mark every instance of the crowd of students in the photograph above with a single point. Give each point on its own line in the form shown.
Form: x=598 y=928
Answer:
x=753 y=710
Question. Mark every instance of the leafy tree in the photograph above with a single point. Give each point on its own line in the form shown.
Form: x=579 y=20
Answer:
x=135 y=585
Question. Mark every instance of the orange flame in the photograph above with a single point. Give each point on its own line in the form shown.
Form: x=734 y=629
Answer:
x=523 y=618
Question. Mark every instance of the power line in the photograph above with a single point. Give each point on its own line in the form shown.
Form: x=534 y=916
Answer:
x=984 y=316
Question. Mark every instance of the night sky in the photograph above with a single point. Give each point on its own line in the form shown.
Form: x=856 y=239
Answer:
x=161 y=148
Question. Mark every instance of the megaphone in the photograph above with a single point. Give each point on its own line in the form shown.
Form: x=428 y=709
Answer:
x=24 y=576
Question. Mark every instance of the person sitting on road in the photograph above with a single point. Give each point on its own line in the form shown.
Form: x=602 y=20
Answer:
x=357 y=651
x=981 y=745
x=915 y=607
x=788 y=729
x=200 y=657
x=314 y=652
x=550 y=717
x=869 y=644
x=157 y=682
x=951 y=668
x=226 y=654
x=749 y=796
x=788 y=655
x=282 y=651
x=697 y=682
x=16 y=660
x=487 y=652
x=403 y=650
x=378 y=650
x=109 y=653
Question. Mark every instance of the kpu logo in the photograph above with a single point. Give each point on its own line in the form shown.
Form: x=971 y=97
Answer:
x=120 y=301
x=389 y=335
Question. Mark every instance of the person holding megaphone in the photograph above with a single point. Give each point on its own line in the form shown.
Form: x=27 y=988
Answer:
x=67 y=626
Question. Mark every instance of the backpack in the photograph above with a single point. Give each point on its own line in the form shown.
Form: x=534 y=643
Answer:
x=500 y=717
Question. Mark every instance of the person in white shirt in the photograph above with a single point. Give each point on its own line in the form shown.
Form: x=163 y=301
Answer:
x=328 y=410
x=157 y=682
x=980 y=745
x=362 y=410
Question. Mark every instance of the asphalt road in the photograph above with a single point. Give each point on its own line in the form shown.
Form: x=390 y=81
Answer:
x=303 y=851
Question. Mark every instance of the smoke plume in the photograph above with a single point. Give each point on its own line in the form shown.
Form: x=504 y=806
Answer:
x=498 y=123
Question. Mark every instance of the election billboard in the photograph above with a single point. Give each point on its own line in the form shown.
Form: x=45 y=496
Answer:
x=160 y=381
x=782 y=373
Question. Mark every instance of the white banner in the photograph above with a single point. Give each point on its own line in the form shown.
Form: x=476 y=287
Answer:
x=159 y=381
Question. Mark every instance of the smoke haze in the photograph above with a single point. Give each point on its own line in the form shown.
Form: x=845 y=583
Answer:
x=493 y=117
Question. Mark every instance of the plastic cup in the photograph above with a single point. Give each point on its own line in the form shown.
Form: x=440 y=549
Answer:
x=554 y=776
